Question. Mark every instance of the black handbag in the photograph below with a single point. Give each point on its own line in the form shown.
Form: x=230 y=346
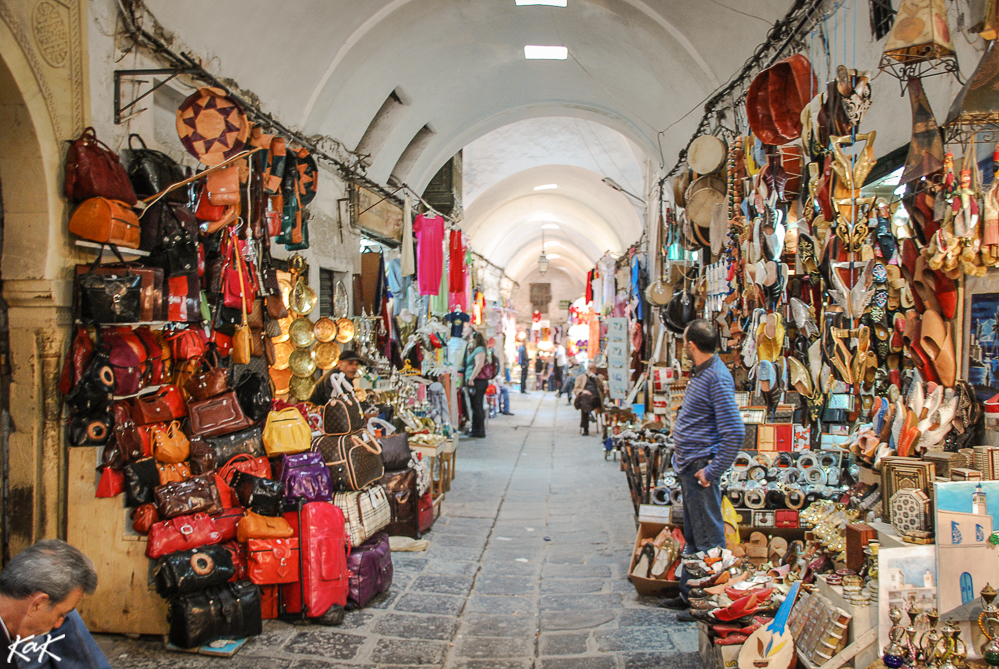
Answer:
x=141 y=478
x=395 y=451
x=157 y=215
x=229 y=611
x=152 y=171
x=254 y=394
x=96 y=387
x=228 y=446
x=678 y=312
x=109 y=298
x=194 y=570
x=177 y=250
x=262 y=496
x=90 y=429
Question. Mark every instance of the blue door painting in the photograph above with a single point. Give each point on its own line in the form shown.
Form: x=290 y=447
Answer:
x=967 y=588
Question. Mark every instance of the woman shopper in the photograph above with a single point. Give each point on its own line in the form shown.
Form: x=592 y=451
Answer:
x=477 y=381
x=589 y=394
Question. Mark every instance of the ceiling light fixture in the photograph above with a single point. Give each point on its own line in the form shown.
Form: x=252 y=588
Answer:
x=547 y=3
x=546 y=187
x=542 y=259
x=535 y=52
x=553 y=256
x=550 y=226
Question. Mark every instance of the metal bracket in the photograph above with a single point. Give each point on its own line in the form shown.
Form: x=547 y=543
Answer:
x=119 y=109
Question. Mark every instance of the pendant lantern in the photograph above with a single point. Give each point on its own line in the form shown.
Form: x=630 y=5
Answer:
x=919 y=43
x=976 y=107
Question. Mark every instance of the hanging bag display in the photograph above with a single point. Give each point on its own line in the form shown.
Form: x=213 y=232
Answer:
x=151 y=171
x=93 y=170
x=242 y=348
x=223 y=186
x=287 y=431
x=354 y=460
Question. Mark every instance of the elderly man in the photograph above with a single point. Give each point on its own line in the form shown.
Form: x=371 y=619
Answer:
x=708 y=434
x=39 y=591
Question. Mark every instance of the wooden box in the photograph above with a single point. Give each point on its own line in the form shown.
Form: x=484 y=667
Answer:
x=785 y=437
x=898 y=473
x=965 y=474
x=125 y=601
x=650 y=587
x=857 y=535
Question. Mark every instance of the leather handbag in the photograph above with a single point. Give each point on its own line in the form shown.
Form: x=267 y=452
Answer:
x=223 y=186
x=180 y=534
x=305 y=476
x=206 y=211
x=396 y=453
x=154 y=355
x=143 y=518
x=90 y=429
x=203 y=458
x=405 y=503
x=151 y=171
x=342 y=414
x=114 y=297
x=111 y=484
x=370 y=569
x=321 y=531
x=141 y=478
x=239 y=558
x=95 y=389
x=228 y=522
x=254 y=395
x=106 y=222
x=286 y=431
x=151 y=296
x=255 y=526
x=354 y=460
x=93 y=170
x=270 y=601
x=260 y=495
x=126 y=434
x=273 y=561
x=154 y=220
x=217 y=415
x=193 y=570
x=77 y=359
x=128 y=358
x=246 y=442
x=280 y=381
x=208 y=381
x=258 y=466
x=161 y=406
x=173 y=473
x=188 y=343
x=198 y=494
x=170 y=444
x=228 y=611
x=426 y=512
x=366 y=511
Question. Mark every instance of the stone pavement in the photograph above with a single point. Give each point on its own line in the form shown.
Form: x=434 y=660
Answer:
x=527 y=569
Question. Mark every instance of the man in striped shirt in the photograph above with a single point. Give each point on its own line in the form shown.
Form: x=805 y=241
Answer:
x=708 y=434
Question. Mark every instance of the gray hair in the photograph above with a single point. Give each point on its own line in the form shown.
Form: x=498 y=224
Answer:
x=52 y=567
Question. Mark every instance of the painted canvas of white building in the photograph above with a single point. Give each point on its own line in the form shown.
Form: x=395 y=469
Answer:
x=966 y=561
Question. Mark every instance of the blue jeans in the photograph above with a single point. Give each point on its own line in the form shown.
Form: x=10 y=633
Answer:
x=703 y=527
x=504 y=400
x=77 y=650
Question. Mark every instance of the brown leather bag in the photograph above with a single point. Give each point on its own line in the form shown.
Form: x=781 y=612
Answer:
x=280 y=381
x=209 y=381
x=173 y=473
x=106 y=222
x=217 y=415
x=255 y=526
x=170 y=444
x=223 y=186
x=143 y=518
x=164 y=405
x=93 y=170
x=198 y=494
x=203 y=457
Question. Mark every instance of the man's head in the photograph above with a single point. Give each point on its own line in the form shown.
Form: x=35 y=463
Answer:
x=700 y=335
x=349 y=362
x=46 y=581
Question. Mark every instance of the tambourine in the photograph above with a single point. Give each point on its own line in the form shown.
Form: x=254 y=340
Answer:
x=807 y=461
x=742 y=462
x=815 y=476
x=755 y=499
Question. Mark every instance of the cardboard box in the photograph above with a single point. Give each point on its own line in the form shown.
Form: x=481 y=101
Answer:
x=650 y=587
x=653 y=513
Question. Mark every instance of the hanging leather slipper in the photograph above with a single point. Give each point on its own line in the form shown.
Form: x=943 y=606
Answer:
x=924 y=285
x=910 y=254
x=946 y=294
x=935 y=340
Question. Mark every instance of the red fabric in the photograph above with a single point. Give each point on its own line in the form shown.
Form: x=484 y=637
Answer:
x=429 y=232
x=457 y=260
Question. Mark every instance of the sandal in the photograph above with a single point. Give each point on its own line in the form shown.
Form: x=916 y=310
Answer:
x=935 y=340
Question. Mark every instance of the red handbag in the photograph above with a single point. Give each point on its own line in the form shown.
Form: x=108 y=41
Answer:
x=162 y=406
x=93 y=170
x=154 y=354
x=188 y=344
x=228 y=520
x=112 y=483
x=206 y=211
x=259 y=467
x=217 y=415
x=180 y=534
x=232 y=285
x=144 y=517
x=273 y=561
x=128 y=359
x=77 y=358
x=269 y=602
x=239 y=560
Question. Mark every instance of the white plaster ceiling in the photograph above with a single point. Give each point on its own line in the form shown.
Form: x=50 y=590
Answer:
x=327 y=66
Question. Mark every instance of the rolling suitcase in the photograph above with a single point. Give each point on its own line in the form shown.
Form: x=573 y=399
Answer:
x=323 y=554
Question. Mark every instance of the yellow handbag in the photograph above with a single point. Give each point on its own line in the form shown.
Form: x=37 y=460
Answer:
x=286 y=431
x=170 y=444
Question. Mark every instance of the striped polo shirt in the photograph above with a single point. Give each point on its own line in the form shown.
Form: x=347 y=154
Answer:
x=708 y=424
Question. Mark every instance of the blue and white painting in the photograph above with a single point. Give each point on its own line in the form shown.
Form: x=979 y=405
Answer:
x=966 y=514
x=983 y=357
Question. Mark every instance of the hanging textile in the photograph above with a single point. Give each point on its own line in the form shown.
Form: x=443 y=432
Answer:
x=589 y=286
x=637 y=287
x=439 y=298
x=430 y=253
x=408 y=259
x=457 y=259
x=609 y=289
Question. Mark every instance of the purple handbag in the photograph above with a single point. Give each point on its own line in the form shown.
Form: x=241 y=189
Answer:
x=305 y=475
x=370 y=567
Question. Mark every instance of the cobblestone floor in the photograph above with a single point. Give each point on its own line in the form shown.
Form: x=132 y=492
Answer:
x=527 y=569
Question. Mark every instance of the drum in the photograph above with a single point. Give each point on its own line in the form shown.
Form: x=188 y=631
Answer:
x=707 y=154
x=793 y=163
x=680 y=184
x=702 y=196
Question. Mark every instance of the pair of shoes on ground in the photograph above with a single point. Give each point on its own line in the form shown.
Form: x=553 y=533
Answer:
x=506 y=413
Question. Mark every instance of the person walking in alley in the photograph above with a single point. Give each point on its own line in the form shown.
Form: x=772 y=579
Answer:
x=524 y=361
x=708 y=434
x=477 y=376
x=589 y=393
x=559 y=370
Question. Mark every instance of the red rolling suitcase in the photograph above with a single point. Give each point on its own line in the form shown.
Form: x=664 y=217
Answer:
x=322 y=538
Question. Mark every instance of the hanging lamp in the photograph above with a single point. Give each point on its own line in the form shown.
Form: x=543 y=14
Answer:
x=543 y=259
x=919 y=44
x=975 y=111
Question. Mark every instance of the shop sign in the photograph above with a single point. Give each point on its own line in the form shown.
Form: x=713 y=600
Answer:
x=378 y=216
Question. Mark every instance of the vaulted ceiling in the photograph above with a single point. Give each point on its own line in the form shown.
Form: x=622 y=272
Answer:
x=415 y=81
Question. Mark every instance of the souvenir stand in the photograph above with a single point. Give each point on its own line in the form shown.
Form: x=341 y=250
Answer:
x=216 y=452
x=846 y=288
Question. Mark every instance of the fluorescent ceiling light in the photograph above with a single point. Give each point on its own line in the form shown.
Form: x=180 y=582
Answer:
x=548 y=3
x=546 y=187
x=553 y=256
x=550 y=226
x=535 y=52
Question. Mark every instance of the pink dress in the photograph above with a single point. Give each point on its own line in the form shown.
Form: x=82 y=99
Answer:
x=429 y=253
